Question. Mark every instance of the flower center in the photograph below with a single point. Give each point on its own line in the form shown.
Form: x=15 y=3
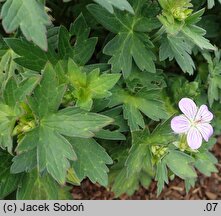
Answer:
x=194 y=123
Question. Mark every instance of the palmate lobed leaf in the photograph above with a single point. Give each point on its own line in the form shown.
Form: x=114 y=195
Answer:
x=49 y=149
x=30 y=16
x=92 y=160
x=76 y=123
x=53 y=151
x=129 y=44
x=146 y=101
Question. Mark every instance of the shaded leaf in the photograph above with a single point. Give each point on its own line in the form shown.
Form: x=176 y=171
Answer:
x=92 y=160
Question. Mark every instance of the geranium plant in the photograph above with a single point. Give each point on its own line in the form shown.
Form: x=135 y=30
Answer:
x=123 y=92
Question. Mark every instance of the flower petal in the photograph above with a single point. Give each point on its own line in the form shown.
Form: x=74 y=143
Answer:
x=180 y=124
x=206 y=130
x=188 y=107
x=194 y=138
x=204 y=114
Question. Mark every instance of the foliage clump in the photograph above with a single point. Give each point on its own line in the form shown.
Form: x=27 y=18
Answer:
x=89 y=89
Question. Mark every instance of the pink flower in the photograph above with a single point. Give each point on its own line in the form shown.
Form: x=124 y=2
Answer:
x=195 y=122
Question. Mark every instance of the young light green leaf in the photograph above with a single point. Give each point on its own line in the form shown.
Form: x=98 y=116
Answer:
x=89 y=86
x=92 y=160
x=30 y=16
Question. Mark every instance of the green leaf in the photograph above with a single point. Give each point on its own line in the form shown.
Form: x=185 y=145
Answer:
x=8 y=67
x=84 y=46
x=214 y=90
x=110 y=135
x=138 y=154
x=162 y=134
x=26 y=161
x=122 y=184
x=74 y=122
x=13 y=95
x=7 y=121
x=178 y=48
x=48 y=94
x=211 y=3
x=64 y=193
x=120 y=4
x=92 y=160
x=53 y=151
x=30 y=16
x=147 y=101
x=205 y=163
x=214 y=78
x=14 y=92
x=189 y=183
x=31 y=56
x=133 y=166
x=195 y=34
x=128 y=44
x=36 y=187
x=89 y=86
x=180 y=164
x=161 y=176
x=8 y=182
x=72 y=177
